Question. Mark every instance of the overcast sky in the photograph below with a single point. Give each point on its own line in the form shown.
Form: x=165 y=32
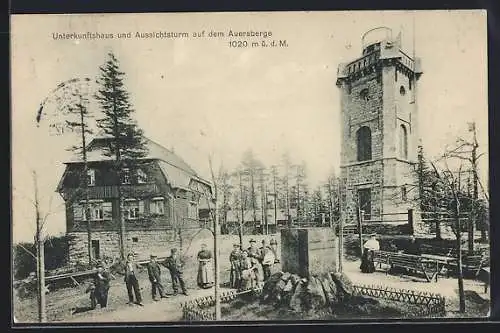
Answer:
x=267 y=99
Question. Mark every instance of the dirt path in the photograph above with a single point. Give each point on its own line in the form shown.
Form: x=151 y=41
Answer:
x=476 y=299
x=165 y=310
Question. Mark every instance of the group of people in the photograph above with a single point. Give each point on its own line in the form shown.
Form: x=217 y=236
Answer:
x=101 y=280
x=250 y=268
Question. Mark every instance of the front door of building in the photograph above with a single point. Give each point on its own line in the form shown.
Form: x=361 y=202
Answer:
x=95 y=249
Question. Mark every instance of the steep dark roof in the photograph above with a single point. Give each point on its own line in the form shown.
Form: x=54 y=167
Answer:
x=176 y=170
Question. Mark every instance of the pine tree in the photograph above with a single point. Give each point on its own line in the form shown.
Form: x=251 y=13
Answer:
x=126 y=144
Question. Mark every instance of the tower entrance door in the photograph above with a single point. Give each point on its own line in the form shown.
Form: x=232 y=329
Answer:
x=365 y=202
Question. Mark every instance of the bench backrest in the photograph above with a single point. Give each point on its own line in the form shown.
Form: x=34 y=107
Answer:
x=381 y=255
x=405 y=260
x=473 y=261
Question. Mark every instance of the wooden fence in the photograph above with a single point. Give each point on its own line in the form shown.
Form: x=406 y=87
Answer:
x=430 y=305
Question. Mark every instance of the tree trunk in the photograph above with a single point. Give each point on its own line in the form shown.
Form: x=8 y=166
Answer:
x=42 y=316
x=121 y=220
x=360 y=231
x=459 y=265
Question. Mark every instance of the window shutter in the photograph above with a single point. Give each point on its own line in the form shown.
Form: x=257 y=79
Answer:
x=107 y=209
x=77 y=212
x=141 y=206
x=161 y=207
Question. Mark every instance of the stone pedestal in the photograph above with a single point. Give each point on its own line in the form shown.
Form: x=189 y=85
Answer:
x=309 y=251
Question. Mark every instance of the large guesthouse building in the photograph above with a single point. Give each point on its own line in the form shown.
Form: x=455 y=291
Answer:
x=160 y=192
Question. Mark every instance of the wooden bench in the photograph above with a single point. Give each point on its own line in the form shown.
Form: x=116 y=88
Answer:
x=381 y=257
x=472 y=265
x=484 y=276
x=416 y=264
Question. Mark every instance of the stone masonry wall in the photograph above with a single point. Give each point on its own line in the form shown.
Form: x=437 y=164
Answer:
x=383 y=112
x=143 y=243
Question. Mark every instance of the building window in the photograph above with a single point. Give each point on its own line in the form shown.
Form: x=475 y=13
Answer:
x=126 y=176
x=192 y=210
x=96 y=211
x=135 y=239
x=364 y=95
x=404 y=196
x=90 y=177
x=158 y=206
x=410 y=83
x=402 y=91
x=364 y=137
x=365 y=203
x=141 y=176
x=133 y=209
x=403 y=146
x=396 y=75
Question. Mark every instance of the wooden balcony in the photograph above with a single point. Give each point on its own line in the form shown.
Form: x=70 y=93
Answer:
x=111 y=191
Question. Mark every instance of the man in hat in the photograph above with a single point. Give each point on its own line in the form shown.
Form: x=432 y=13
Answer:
x=371 y=245
x=235 y=259
x=154 y=273
x=266 y=259
x=253 y=251
x=131 y=272
x=274 y=247
x=99 y=288
x=175 y=266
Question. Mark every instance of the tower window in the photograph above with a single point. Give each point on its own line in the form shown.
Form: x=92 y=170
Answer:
x=135 y=239
x=363 y=94
x=403 y=146
x=364 y=137
x=402 y=91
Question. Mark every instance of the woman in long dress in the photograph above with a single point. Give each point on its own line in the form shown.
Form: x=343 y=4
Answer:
x=205 y=269
x=249 y=271
x=371 y=245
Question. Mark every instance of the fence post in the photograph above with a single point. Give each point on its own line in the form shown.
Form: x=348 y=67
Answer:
x=410 y=221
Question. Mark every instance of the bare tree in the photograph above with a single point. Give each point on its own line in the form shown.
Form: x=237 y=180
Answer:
x=251 y=167
x=287 y=166
x=452 y=187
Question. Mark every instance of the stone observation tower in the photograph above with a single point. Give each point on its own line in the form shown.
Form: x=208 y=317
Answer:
x=379 y=129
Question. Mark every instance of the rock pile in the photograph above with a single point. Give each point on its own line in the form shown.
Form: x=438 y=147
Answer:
x=301 y=294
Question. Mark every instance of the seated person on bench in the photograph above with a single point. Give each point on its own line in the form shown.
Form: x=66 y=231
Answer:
x=413 y=247
x=367 y=264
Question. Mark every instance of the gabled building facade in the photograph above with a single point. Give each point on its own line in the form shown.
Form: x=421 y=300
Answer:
x=160 y=192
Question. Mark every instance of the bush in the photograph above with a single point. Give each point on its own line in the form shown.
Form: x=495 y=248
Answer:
x=56 y=256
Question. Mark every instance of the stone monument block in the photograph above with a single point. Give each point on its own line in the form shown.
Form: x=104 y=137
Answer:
x=309 y=251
